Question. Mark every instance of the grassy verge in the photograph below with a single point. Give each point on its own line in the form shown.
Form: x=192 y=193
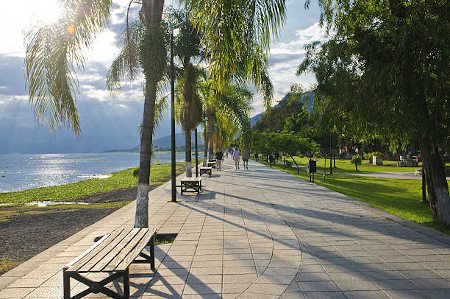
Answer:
x=119 y=180
x=345 y=166
x=399 y=197
x=7 y=264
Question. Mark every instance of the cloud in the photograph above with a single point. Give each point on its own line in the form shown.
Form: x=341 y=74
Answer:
x=303 y=37
x=111 y=122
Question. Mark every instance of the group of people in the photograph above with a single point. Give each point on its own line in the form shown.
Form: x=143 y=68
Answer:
x=236 y=156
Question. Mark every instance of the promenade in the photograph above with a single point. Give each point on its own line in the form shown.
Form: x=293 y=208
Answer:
x=261 y=233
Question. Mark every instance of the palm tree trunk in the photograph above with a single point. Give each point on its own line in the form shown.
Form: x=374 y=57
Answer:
x=151 y=13
x=205 y=152
x=188 y=153
x=141 y=218
x=210 y=135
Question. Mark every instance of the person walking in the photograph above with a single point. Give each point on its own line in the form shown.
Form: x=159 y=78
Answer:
x=236 y=157
x=245 y=158
x=219 y=157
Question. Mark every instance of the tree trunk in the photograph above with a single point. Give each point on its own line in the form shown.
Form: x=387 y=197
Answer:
x=438 y=195
x=296 y=165
x=141 y=218
x=151 y=13
x=210 y=139
x=205 y=152
x=188 y=153
x=424 y=185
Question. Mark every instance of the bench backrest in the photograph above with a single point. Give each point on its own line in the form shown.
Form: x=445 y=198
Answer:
x=114 y=251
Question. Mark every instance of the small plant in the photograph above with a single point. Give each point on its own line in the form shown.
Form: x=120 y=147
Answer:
x=356 y=159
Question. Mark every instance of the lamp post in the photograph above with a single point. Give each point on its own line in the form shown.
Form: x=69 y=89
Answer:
x=172 y=121
x=196 y=154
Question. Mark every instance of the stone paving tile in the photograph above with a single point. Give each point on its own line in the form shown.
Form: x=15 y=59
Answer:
x=366 y=295
x=408 y=294
x=324 y=295
x=13 y=293
x=239 y=278
x=318 y=286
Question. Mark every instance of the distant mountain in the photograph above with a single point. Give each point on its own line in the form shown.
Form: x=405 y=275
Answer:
x=164 y=143
x=308 y=98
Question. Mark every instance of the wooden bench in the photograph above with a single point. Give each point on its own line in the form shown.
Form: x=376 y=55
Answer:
x=189 y=184
x=112 y=254
x=206 y=170
x=211 y=164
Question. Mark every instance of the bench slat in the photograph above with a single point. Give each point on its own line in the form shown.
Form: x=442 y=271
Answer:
x=126 y=251
x=101 y=254
x=133 y=254
x=115 y=251
x=91 y=252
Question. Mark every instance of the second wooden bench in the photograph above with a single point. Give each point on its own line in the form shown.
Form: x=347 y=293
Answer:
x=191 y=184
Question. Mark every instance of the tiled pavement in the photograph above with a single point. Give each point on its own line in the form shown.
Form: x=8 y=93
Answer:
x=261 y=233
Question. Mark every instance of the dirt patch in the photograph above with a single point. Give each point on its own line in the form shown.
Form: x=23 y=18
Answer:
x=27 y=231
x=27 y=234
x=112 y=196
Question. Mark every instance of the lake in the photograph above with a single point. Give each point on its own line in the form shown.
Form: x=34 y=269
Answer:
x=27 y=171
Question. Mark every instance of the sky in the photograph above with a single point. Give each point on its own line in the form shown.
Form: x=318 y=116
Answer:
x=112 y=122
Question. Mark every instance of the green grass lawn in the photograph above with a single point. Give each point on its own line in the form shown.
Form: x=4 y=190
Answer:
x=345 y=166
x=160 y=173
x=395 y=196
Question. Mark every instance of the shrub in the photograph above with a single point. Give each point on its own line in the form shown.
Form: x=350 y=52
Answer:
x=356 y=159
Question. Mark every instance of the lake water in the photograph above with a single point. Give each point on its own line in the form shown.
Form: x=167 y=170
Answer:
x=27 y=171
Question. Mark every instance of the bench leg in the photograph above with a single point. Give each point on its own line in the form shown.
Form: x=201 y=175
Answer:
x=126 y=283
x=152 y=253
x=99 y=287
x=66 y=284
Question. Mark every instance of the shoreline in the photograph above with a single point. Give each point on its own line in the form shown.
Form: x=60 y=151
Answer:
x=21 y=172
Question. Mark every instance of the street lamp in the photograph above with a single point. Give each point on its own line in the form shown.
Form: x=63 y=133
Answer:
x=173 y=173
x=196 y=154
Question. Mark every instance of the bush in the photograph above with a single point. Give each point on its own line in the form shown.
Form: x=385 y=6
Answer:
x=356 y=159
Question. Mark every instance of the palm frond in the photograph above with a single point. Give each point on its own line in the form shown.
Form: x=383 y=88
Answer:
x=53 y=55
x=126 y=64
x=161 y=104
x=235 y=30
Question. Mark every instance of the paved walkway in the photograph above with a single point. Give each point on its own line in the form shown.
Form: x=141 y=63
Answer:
x=261 y=233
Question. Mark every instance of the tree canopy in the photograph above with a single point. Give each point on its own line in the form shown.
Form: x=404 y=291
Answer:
x=384 y=71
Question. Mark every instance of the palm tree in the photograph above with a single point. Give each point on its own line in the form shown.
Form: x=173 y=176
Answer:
x=235 y=33
x=227 y=113
x=54 y=53
x=187 y=47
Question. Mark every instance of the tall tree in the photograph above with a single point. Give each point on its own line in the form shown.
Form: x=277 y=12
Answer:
x=385 y=67
x=187 y=48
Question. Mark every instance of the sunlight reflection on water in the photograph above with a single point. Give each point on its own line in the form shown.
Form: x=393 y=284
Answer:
x=26 y=171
